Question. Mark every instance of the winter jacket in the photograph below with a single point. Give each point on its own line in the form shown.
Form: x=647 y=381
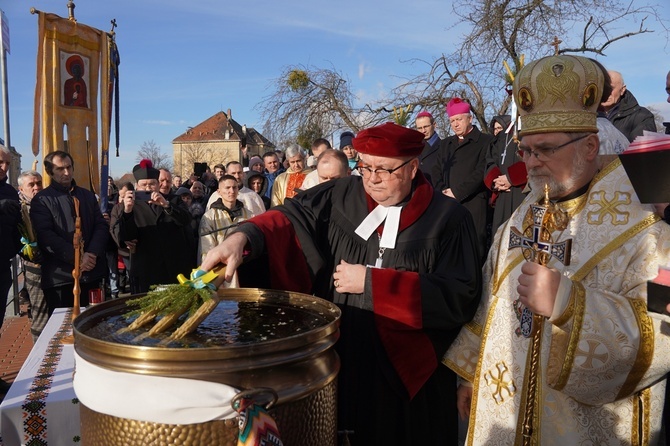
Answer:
x=53 y=216
x=630 y=118
x=10 y=217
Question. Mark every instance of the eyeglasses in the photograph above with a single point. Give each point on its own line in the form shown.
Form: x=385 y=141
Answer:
x=425 y=127
x=383 y=174
x=545 y=154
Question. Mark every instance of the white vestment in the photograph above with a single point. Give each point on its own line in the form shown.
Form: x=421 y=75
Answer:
x=603 y=357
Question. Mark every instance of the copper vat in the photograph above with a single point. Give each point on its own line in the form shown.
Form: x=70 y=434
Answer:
x=301 y=368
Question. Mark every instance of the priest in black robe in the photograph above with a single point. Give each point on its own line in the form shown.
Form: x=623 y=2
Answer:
x=401 y=261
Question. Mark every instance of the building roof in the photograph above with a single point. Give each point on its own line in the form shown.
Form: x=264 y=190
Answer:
x=215 y=128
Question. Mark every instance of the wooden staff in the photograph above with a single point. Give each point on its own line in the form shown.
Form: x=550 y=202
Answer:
x=78 y=245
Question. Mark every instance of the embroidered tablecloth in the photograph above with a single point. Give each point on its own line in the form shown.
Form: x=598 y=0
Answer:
x=41 y=407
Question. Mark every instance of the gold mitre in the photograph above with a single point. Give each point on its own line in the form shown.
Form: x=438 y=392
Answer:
x=558 y=93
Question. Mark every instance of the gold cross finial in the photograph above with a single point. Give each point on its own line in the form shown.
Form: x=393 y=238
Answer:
x=555 y=44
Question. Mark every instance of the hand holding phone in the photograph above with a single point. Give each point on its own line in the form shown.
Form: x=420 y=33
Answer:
x=142 y=195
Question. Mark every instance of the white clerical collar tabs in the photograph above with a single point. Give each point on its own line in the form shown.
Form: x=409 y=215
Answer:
x=375 y=218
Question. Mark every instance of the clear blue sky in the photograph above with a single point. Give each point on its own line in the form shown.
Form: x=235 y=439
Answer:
x=183 y=61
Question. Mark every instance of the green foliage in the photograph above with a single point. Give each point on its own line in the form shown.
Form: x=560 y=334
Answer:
x=168 y=299
x=307 y=134
x=298 y=80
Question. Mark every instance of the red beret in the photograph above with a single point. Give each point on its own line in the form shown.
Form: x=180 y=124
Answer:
x=389 y=140
x=457 y=107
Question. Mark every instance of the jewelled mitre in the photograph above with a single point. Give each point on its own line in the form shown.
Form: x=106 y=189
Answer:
x=558 y=93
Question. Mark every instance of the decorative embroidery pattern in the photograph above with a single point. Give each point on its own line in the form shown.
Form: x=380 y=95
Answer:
x=609 y=207
x=496 y=377
x=34 y=406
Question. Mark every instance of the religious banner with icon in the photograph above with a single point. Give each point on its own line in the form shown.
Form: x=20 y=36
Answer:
x=70 y=58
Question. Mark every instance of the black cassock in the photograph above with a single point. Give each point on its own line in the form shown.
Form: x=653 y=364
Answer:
x=392 y=388
x=165 y=245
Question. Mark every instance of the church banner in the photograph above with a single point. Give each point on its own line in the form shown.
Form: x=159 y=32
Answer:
x=69 y=60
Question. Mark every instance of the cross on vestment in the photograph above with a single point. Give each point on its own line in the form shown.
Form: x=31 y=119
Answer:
x=538 y=247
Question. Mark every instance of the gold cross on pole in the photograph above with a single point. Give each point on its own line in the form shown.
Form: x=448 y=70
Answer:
x=555 y=43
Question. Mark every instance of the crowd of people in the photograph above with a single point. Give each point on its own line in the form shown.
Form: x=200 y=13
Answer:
x=431 y=247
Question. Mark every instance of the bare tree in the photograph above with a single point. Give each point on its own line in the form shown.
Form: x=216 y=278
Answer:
x=151 y=151
x=310 y=97
x=197 y=152
x=510 y=31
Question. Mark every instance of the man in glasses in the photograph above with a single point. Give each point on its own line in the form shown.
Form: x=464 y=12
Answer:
x=593 y=351
x=425 y=123
x=401 y=261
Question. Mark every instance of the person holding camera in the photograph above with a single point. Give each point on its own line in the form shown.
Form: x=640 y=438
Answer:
x=164 y=247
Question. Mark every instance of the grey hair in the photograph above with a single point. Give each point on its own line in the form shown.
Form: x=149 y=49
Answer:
x=293 y=150
x=5 y=150
x=26 y=174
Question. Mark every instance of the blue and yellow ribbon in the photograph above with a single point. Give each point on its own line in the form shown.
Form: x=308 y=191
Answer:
x=28 y=248
x=199 y=279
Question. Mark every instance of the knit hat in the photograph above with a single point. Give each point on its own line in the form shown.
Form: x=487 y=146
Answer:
x=145 y=171
x=255 y=160
x=558 y=94
x=457 y=107
x=346 y=139
x=183 y=191
x=389 y=140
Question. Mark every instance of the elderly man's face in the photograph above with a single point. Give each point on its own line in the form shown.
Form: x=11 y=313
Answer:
x=176 y=181
x=198 y=190
x=165 y=182
x=424 y=125
x=388 y=190
x=148 y=185
x=296 y=163
x=618 y=89
x=271 y=163
x=237 y=171
x=30 y=185
x=564 y=162
x=461 y=124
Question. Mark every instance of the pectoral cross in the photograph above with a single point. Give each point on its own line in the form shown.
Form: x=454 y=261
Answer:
x=538 y=247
